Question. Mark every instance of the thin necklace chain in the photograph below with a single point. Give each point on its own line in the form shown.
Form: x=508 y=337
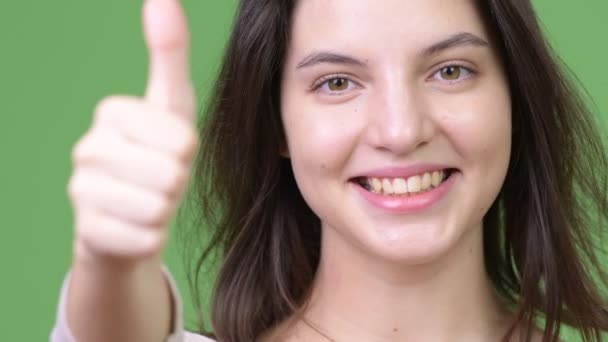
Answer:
x=318 y=330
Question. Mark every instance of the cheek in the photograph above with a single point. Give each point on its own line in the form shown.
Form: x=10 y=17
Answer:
x=319 y=139
x=481 y=136
x=480 y=128
x=480 y=141
x=320 y=142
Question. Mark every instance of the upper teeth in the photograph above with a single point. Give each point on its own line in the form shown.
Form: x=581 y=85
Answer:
x=411 y=185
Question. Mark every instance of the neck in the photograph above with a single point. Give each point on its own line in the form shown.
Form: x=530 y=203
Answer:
x=360 y=298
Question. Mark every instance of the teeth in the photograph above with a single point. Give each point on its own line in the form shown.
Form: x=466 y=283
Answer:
x=436 y=178
x=387 y=186
x=376 y=185
x=426 y=181
x=413 y=184
x=401 y=186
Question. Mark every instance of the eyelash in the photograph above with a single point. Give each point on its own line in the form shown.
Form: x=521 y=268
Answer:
x=325 y=79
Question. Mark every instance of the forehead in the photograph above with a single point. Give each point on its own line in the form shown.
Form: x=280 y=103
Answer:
x=383 y=26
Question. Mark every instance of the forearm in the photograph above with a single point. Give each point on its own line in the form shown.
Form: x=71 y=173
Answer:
x=112 y=303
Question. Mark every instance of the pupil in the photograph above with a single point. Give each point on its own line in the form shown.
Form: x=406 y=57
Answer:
x=451 y=72
x=338 y=83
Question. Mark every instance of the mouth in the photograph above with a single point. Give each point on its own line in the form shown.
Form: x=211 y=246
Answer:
x=405 y=187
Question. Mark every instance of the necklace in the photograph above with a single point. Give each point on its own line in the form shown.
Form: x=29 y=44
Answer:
x=318 y=330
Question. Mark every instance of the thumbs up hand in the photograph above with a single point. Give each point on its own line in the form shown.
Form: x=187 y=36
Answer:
x=132 y=166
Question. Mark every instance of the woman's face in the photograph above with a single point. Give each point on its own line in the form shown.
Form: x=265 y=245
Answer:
x=383 y=100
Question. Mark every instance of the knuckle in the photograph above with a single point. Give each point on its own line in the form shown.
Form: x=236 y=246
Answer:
x=164 y=212
x=110 y=107
x=159 y=212
x=75 y=186
x=188 y=143
x=87 y=227
x=151 y=248
x=177 y=178
x=80 y=151
x=106 y=107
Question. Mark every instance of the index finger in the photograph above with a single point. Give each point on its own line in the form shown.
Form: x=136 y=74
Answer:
x=167 y=39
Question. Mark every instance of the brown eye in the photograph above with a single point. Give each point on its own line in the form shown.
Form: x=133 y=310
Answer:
x=337 y=84
x=451 y=73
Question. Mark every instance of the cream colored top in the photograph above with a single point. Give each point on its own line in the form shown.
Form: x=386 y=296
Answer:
x=62 y=333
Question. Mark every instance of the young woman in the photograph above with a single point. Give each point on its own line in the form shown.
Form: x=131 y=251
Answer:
x=417 y=170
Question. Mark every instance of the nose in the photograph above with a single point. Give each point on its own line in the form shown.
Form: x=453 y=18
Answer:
x=398 y=120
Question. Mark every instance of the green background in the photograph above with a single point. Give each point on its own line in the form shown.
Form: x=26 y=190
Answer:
x=58 y=58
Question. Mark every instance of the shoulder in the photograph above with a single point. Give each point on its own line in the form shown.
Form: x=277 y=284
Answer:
x=192 y=337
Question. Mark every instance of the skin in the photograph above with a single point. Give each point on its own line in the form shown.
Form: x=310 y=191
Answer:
x=124 y=188
x=396 y=276
x=377 y=270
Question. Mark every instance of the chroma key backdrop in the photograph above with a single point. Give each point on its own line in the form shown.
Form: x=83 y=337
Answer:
x=58 y=58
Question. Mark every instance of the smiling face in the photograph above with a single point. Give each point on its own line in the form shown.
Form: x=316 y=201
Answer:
x=398 y=122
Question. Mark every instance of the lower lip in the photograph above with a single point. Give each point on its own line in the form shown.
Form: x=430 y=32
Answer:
x=410 y=203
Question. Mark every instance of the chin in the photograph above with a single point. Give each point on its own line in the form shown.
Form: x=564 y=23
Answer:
x=397 y=243
x=405 y=249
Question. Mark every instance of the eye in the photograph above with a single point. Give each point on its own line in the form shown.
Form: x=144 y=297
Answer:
x=333 y=84
x=337 y=84
x=453 y=73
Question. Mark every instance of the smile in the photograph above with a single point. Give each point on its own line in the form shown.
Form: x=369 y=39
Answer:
x=404 y=186
x=406 y=194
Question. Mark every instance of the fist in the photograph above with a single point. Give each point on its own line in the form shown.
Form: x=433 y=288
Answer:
x=131 y=167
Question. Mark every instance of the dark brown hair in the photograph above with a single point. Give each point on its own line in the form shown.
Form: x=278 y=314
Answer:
x=539 y=236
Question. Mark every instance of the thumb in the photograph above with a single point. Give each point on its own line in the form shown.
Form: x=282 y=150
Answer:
x=167 y=38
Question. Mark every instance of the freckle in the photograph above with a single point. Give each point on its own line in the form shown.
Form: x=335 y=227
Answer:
x=470 y=250
x=323 y=166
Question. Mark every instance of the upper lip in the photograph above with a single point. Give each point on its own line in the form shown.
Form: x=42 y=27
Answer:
x=403 y=171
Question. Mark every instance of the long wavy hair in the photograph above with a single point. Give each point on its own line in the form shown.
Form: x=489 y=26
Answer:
x=256 y=233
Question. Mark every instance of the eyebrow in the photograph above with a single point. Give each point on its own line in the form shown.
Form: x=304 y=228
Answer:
x=456 y=40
